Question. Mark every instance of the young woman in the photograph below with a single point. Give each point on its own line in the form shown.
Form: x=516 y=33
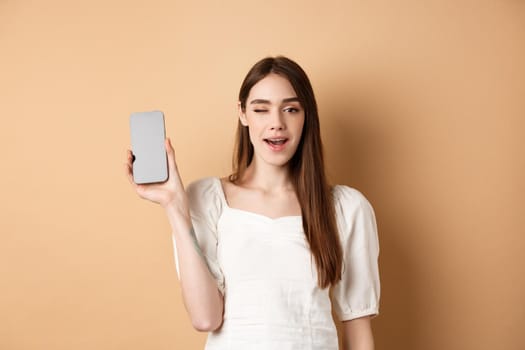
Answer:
x=263 y=254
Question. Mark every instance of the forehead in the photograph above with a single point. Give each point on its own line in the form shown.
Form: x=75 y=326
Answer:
x=273 y=87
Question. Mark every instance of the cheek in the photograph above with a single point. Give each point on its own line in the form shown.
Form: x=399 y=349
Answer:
x=299 y=125
x=252 y=133
x=255 y=128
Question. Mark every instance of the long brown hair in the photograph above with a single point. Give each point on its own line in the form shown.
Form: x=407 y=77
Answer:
x=306 y=168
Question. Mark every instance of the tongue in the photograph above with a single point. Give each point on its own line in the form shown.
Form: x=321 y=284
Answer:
x=276 y=142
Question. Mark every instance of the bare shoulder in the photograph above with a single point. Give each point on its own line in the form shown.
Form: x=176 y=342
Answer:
x=228 y=187
x=226 y=182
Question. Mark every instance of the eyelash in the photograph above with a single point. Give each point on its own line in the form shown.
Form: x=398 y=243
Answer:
x=288 y=109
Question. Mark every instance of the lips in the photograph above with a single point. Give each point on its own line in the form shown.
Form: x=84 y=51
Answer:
x=276 y=143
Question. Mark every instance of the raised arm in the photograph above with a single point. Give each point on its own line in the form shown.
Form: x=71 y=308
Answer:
x=202 y=298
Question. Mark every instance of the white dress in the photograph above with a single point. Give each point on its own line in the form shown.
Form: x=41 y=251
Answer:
x=265 y=270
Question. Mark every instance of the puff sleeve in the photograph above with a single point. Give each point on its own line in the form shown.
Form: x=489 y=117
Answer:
x=205 y=210
x=357 y=293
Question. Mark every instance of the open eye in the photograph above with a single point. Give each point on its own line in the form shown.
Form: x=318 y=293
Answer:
x=291 y=109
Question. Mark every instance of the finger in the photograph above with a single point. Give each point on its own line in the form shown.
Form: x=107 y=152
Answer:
x=127 y=156
x=171 y=155
x=129 y=174
x=128 y=168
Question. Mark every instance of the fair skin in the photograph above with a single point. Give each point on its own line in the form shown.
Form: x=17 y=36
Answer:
x=275 y=119
x=272 y=114
x=357 y=334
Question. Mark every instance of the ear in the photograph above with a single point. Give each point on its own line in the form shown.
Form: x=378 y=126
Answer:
x=242 y=115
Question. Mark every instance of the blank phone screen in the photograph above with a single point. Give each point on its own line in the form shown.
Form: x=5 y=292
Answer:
x=147 y=144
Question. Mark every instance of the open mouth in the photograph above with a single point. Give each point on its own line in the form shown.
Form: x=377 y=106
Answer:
x=276 y=142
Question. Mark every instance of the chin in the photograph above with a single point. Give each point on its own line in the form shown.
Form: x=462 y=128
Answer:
x=277 y=161
x=279 y=164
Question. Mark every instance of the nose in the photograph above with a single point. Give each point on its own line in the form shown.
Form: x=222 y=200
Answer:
x=277 y=121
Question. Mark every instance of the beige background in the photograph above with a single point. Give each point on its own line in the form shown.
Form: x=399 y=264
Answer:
x=423 y=110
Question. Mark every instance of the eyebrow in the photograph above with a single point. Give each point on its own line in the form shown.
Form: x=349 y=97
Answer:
x=286 y=100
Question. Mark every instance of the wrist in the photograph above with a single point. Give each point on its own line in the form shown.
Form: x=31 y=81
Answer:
x=176 y=213
x=175 y=202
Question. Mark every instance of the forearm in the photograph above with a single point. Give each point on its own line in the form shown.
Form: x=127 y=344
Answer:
x=202 y=299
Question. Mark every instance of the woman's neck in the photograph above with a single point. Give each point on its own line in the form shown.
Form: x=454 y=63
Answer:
x=267 y=178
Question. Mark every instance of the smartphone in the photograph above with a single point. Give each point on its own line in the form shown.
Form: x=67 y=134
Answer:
x=150 y=164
